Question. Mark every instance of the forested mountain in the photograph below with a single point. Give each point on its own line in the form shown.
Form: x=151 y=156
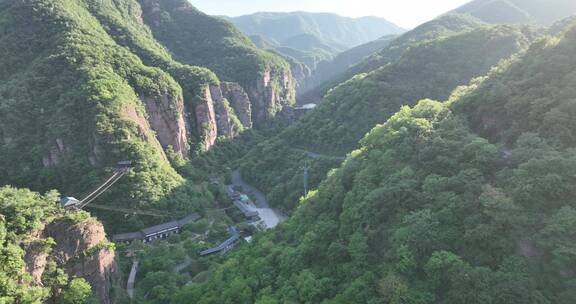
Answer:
x=519 y=11
x=438 y=168
x=431 y=69
x=434 y=29
x=534 y=12
x=465 y=201
x=328 y=69
x=308 y=49
x=85 y=84
x=313 y=38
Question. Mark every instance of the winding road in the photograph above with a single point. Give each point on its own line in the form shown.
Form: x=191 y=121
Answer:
x=270 y=217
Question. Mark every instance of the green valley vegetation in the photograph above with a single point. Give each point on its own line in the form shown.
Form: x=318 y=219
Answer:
x=465 y=201
x=431 y=69
x=85 y=84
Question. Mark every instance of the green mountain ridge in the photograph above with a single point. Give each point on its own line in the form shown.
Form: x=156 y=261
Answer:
x=86 y=84
x=431 y=69
x=329 y=69
x=519 y=11
x=431 y=30
x=331 y=28
x=429 y=211
x=313 y=38
x=438 y=166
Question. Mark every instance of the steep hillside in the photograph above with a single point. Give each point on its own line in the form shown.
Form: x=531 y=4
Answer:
x=308 y=49
x=560 y=26
x=313 y=38
x=71 y=104
x=429 y=70
x=442 y=26
x=49 y=256
x=85 y=84
x=198 y=39
x=328 y=69
x=541 y=103
x=428 y=211
x=519 y=11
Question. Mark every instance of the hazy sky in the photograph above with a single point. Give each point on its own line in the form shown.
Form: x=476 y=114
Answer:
x=405 y=13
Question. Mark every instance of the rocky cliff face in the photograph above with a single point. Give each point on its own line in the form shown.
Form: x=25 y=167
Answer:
x=145 y=131
x=239 y=101
x=271 y=92
x=206 y=125
x=302 y=75
x=224 y=113
x=78 y=251
x=55 y=153
x=166 y=117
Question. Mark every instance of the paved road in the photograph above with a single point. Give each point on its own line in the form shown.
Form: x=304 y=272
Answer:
x=269 y=216
x=261 y=200
x=132 y=279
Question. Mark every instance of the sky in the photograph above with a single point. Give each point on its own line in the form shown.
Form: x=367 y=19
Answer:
x=405 y=13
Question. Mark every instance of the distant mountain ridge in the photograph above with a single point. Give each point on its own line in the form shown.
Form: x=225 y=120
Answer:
x=392 y=51
x=519 y=11
x=332 y=28
x=312 y=38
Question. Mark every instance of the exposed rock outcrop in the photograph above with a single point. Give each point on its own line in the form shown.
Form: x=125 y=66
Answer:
x=55 y=153
x=239 y=101
x=144 y=129
x=97 y=152
x=223 y=112
x=206 y=125
x=77 y=251
x=166 y=117
x=302 y=76
x=270 y=94
x=5 y=137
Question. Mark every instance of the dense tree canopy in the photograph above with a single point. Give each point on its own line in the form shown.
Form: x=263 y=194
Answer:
x=74 y=77
x=428 y=211
x=432 y=69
